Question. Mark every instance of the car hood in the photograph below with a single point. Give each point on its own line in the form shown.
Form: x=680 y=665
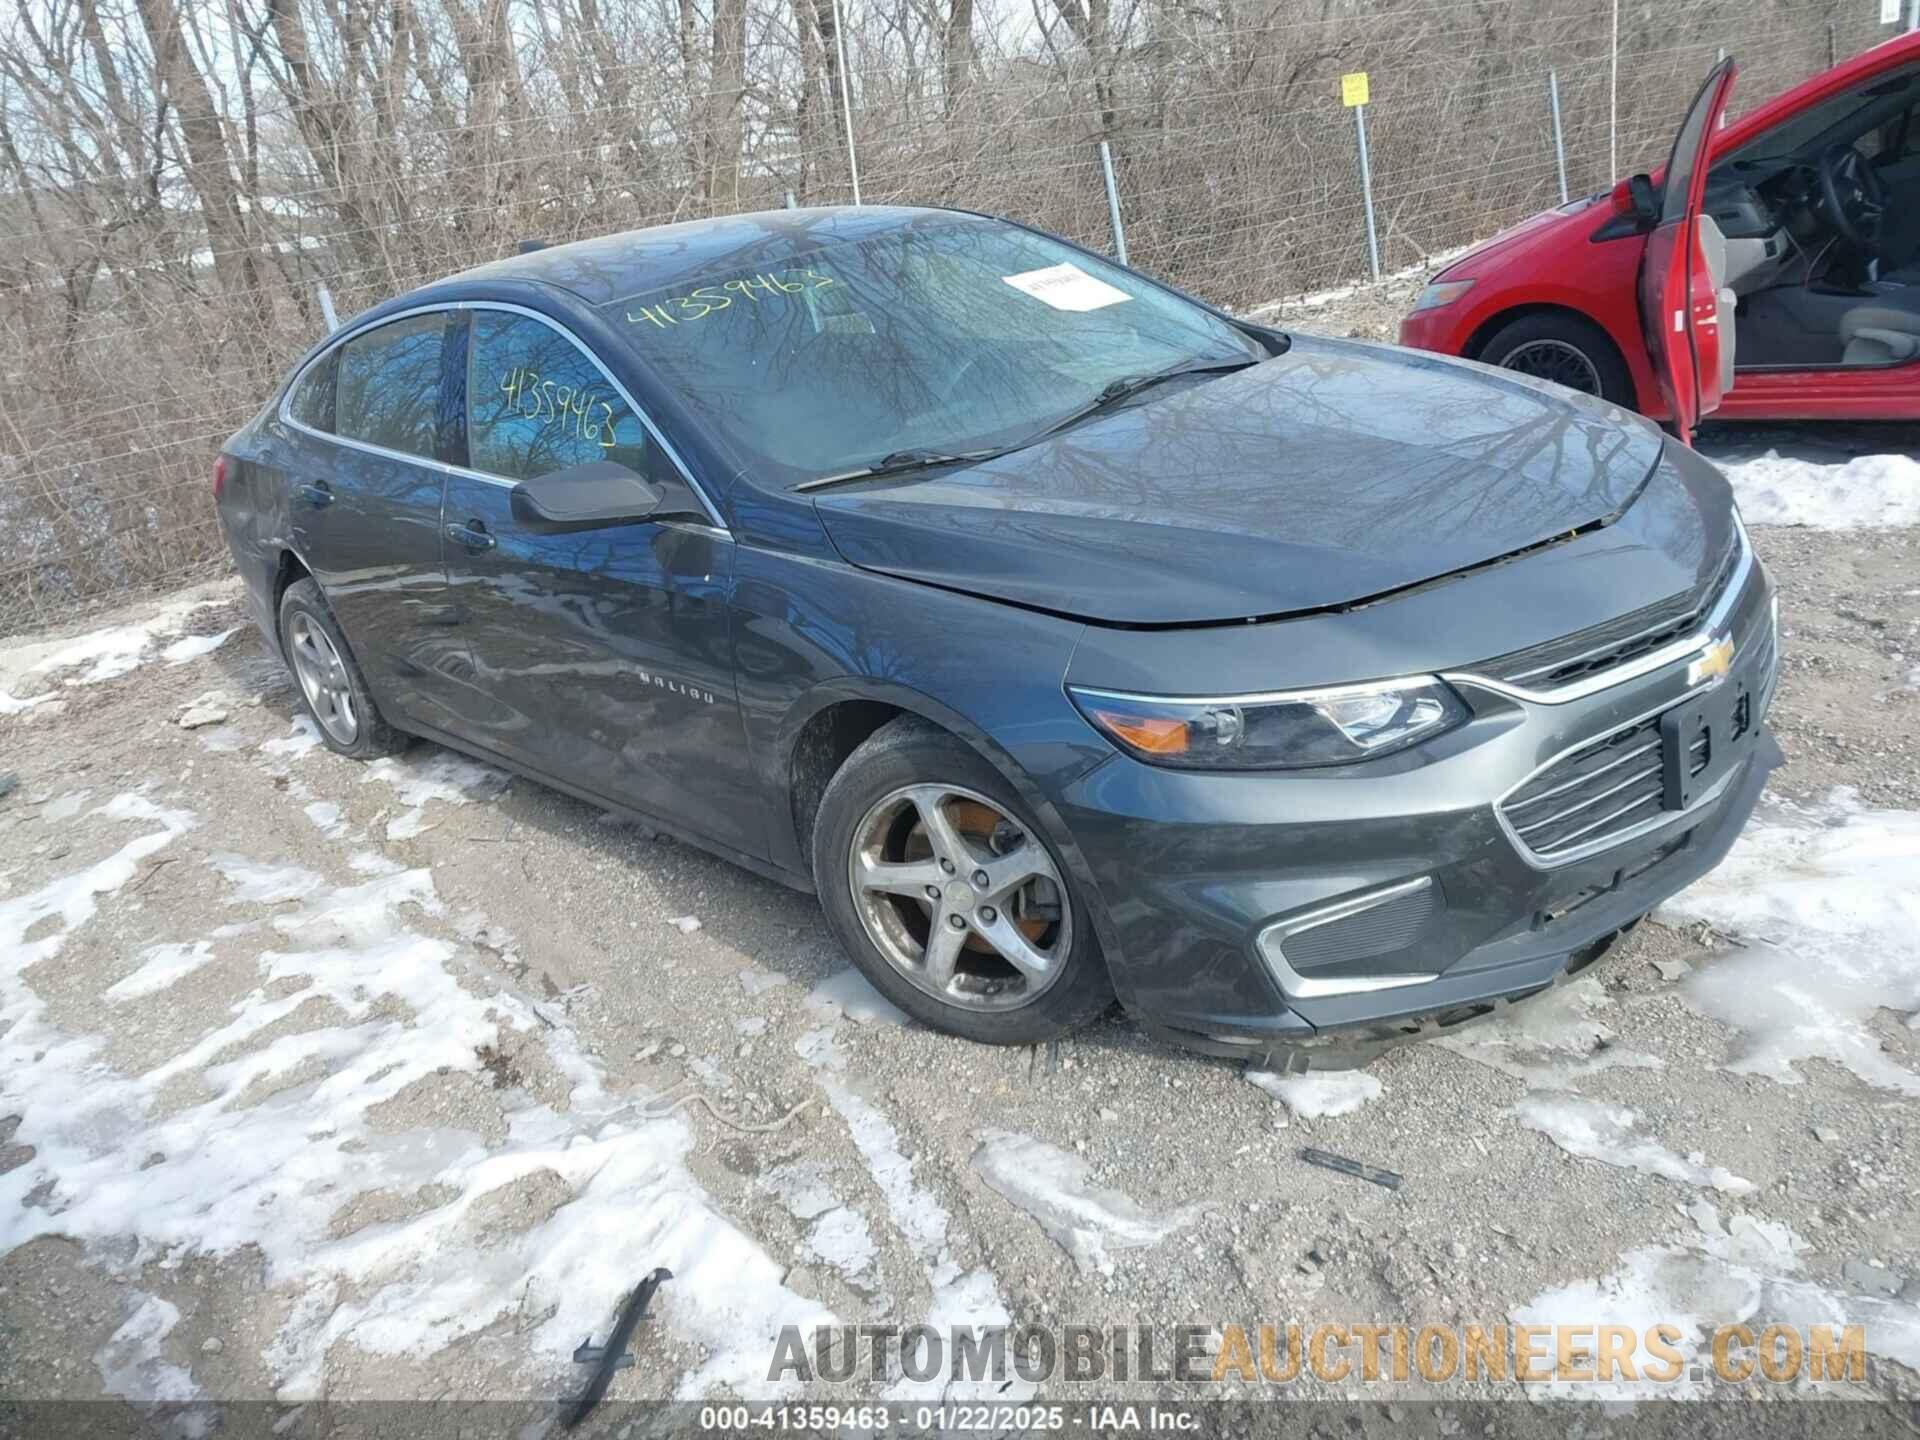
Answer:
x=1513 y=237
x=1331 y=474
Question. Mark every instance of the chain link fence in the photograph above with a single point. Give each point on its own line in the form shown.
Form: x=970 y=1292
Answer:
x=177 y=198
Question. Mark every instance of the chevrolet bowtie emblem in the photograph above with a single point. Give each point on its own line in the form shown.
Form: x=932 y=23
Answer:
x=1712 y=662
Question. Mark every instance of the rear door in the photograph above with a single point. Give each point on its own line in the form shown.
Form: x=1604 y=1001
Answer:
x=601 y=653
x=365 y=487
x=1687 y=321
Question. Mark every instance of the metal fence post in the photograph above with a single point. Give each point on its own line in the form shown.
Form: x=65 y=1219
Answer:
x=1613 y=101
x=846 y=102
x=325 y=297
x=1113 y=204
x=1366 y=189
x=1559 y=137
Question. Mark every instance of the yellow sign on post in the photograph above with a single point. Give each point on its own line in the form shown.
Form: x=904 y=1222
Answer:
x=1353 y=89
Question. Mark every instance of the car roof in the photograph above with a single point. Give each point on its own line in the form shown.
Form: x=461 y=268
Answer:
x=613 y=267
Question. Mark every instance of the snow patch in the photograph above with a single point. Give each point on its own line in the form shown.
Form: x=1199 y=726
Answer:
x=1826 y=901
x=431 y=775
x=970 y=1297
x=192 y=647
x=1867 y=492
x=1056 y=1188
x=1550 y=1041
x=132 y=1364
x=302 y=737
x=160 y=967
x=1744 y=1271
x=847 y=992
x=1594 y=1131
x=257 y=884
x=109 y=653
x=1320 y=1093
x=285 y=1138
x=840 y=1238
x=64 y=807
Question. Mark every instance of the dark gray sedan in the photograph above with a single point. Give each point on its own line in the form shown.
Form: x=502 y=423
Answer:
x=1070 y=638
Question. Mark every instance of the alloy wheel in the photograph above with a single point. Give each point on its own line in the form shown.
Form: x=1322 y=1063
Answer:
x=323 y=678
x=960 y=897
x=1558 y=361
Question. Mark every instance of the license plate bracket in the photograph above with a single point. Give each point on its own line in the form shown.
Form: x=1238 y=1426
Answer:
x=1703 y=739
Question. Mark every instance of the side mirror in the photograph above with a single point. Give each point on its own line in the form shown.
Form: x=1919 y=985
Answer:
x=600 y=492
x=1635 y=196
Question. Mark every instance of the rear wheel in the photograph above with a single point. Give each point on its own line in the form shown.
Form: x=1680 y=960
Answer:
x=328 y=678
x=1565 y=349
x=946 y=895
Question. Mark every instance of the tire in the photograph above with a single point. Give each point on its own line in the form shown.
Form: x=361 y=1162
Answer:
x=332 y=689
x=1532 y=343
x=868 y=825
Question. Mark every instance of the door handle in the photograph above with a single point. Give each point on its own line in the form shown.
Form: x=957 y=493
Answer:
x=473 y=535
x=318 y=495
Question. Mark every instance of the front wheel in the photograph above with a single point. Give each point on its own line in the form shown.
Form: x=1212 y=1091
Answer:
x=1565 y=349
x=947 y=896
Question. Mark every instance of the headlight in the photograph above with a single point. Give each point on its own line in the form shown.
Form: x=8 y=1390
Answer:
x=1443 y=292
x=1335 y=726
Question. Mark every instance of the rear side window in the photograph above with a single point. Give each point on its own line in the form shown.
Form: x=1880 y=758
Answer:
x=389 y=386
x=536 y=404
x=312 y=400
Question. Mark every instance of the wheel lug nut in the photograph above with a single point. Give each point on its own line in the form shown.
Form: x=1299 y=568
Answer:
x=955 y=922
x=946 y=867
x=980 y=879
x=988 y=915
x=933 y=892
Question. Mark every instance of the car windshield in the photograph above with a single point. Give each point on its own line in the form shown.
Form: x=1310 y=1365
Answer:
x=1844 y=117
x=941 y=337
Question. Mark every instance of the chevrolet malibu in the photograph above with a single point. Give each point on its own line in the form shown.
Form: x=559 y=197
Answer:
x=1069 y=638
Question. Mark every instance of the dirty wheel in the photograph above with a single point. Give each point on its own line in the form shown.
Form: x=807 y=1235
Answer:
x=332 y=689
x=948 y=897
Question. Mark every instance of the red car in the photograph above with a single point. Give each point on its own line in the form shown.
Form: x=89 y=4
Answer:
x=1770 y=271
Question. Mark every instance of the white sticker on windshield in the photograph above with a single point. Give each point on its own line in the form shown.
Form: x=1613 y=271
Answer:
x=1067 y=287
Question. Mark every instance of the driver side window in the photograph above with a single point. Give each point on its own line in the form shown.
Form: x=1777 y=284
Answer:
x=537 y=404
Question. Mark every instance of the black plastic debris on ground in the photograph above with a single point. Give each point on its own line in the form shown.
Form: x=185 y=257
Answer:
x=612 y=1356
x=1326 y=1161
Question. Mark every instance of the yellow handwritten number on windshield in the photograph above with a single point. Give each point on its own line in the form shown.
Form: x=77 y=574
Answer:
x=699 y=303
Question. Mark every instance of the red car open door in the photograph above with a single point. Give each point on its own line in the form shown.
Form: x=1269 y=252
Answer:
x=1689 y=331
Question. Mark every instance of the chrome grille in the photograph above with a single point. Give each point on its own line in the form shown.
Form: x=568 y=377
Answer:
x=1601 y=647
x=1582 y=798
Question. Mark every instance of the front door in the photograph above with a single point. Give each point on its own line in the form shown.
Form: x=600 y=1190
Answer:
x=1682 y=314
x=365 y=488
x=601 y=653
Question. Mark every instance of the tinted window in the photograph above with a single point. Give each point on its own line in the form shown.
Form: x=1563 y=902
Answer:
x=537 y=404
x=389 y=390
x=950 y=334
x=312 y=400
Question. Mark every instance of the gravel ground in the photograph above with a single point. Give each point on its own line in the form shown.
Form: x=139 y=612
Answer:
x=545 y=908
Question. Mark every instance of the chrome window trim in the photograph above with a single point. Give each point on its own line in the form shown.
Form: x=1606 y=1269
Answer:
x=1681 y=649
x=1271 y=943
x=335 y=342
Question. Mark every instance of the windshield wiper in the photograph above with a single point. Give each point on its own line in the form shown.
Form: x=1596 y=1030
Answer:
x=902 y=462
x=1116 y=392
x=897 y=462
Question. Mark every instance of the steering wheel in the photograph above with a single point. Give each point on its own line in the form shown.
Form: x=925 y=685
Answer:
x=1855 y=196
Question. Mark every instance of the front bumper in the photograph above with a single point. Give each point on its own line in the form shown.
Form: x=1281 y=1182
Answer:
x=1418 y=905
